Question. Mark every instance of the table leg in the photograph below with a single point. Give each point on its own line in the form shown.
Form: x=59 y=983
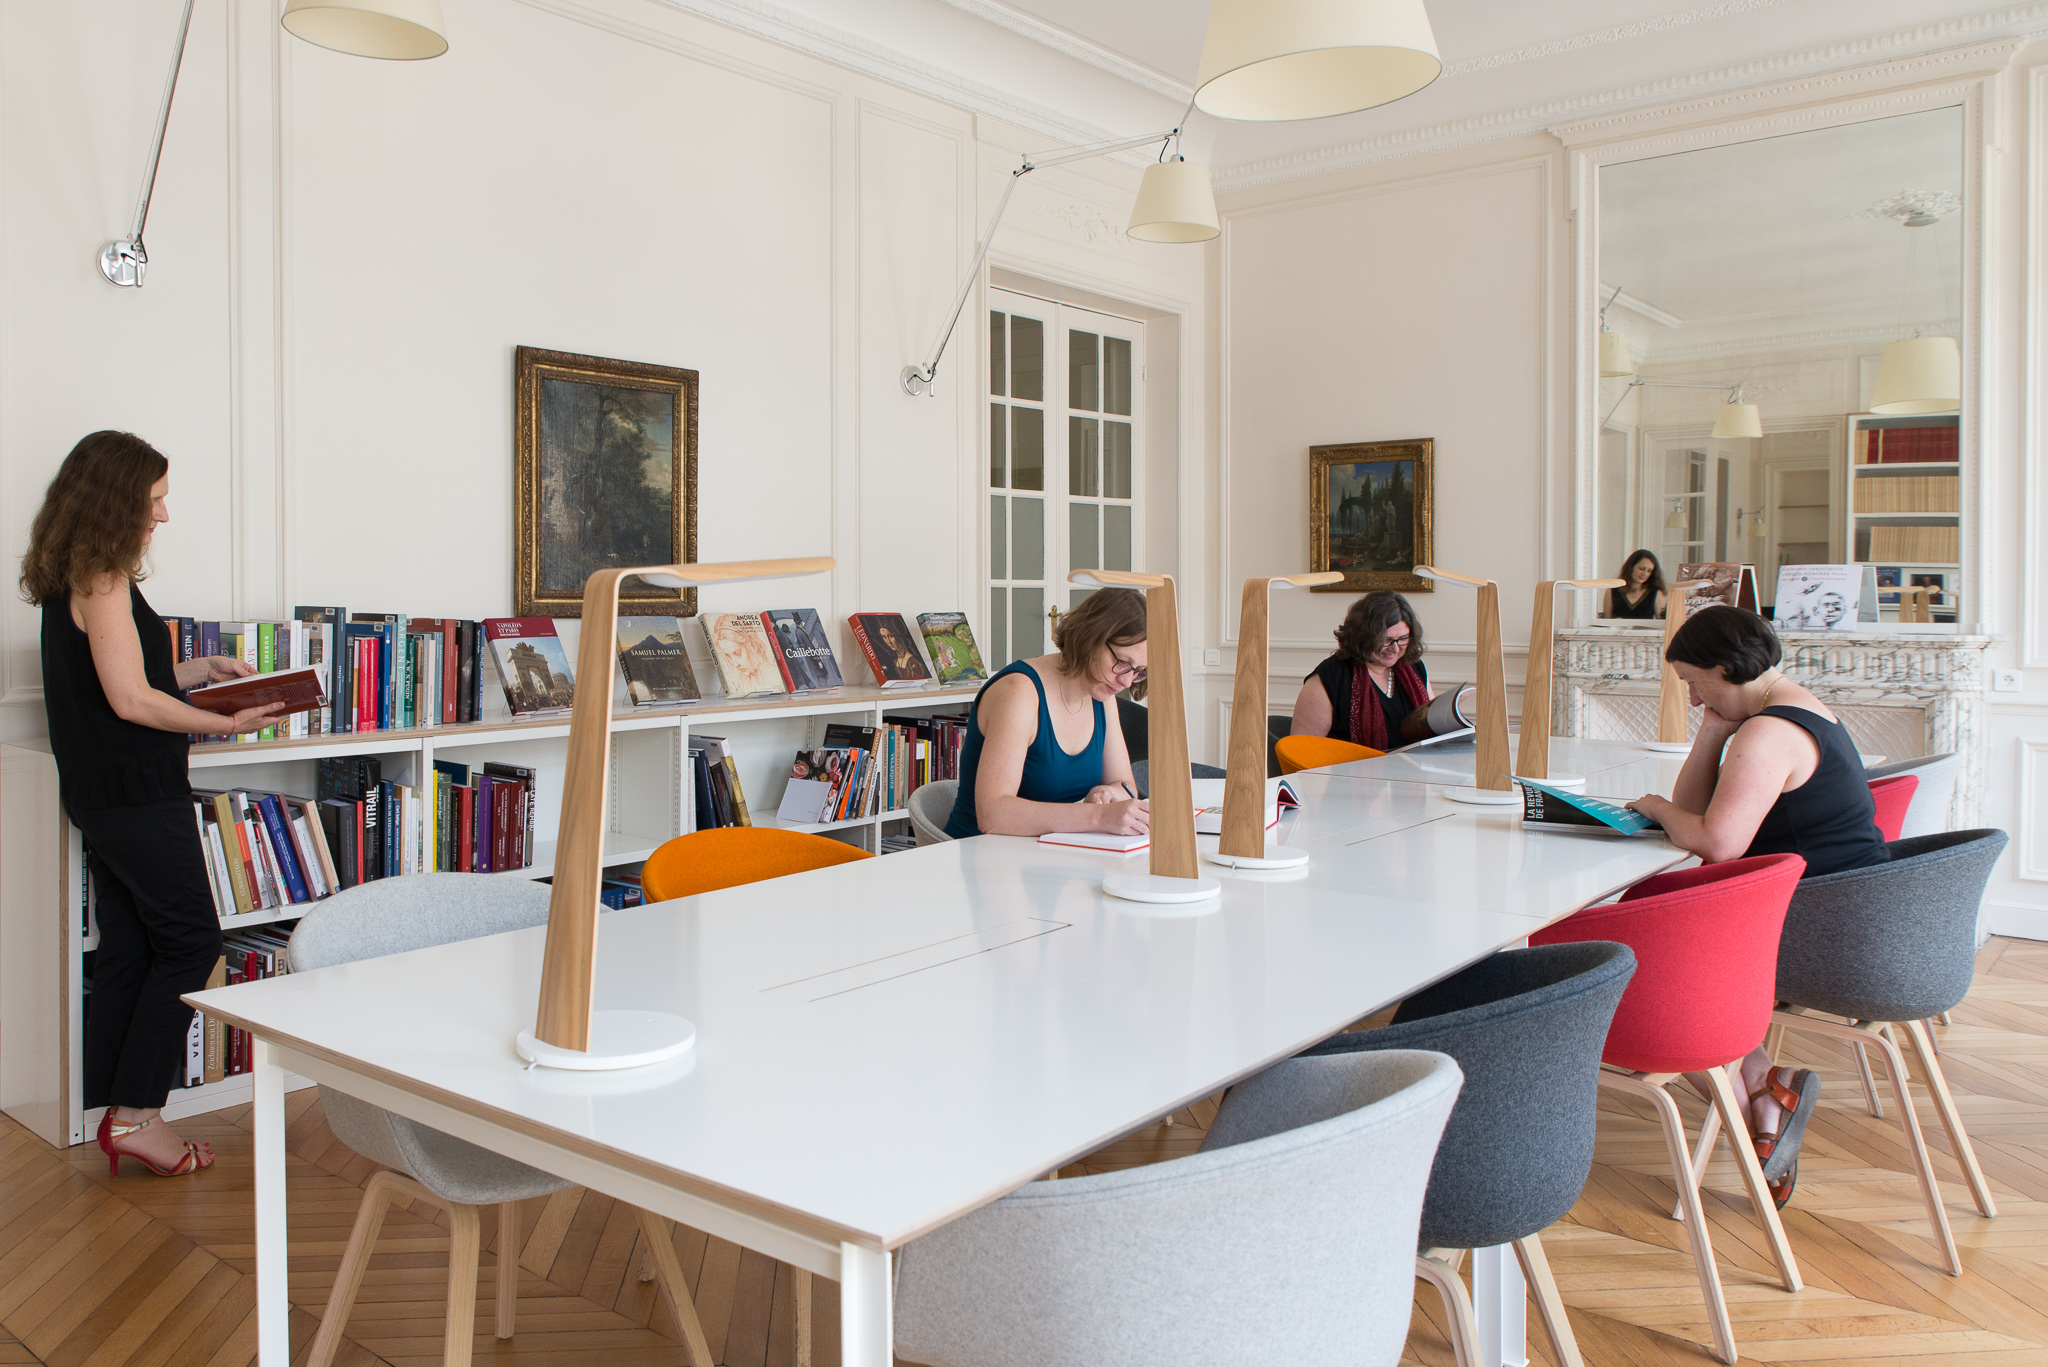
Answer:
x=867 y=1336
x=1500 y=1301
x=273 y=1306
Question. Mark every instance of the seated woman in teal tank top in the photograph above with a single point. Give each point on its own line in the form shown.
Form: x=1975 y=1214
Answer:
x=1044 y=752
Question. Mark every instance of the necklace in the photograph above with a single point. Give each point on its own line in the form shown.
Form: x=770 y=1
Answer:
x=1765 y=701
x=1072 y=711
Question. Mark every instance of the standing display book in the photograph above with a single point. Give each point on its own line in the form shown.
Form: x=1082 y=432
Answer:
x=891 y=651
x=949 y=641
x=1733 y=584
x=532 y=666
x=1543 y=805
x=1819 y=597
x=746 y=663
x=653 y=662
x=797 y=636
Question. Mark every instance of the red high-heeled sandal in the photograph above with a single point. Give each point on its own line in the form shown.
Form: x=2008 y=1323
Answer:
x=195 y=1160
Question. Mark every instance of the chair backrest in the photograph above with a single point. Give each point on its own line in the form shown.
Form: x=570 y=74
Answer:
x=1135 y=721
x=1706 y=945
x=1527 y=1027
x=1141 y=775
x=1293 y=1230
x=1278 y=725
x=930 y=807
x=393 y=915
x=1928 y=812
x=1318 y=752
x=1893 y=796
x=727 y=856
x=1895 y=941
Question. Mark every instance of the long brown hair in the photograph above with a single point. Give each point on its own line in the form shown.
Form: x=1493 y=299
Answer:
x=1368 y=622
x=1106 y=617
x=1656 y=580
x=94 y=519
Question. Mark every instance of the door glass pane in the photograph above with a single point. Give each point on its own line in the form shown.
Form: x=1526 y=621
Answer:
x=1027 y=358
x=1116 y=536
x=1027 y=538
x=998 y=365
x=1027 y=447
x=1029 y=637
x=1075 y=597
x=1116 y=375
x=1081 y=543
x=1084 y=375
x=999 y=627
x=996 y=435
x=998 y=540
x=1083 y=456
x=1116 y=459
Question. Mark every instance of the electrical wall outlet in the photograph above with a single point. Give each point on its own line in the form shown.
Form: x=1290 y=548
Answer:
x=1212 y=657
x=2005 y=681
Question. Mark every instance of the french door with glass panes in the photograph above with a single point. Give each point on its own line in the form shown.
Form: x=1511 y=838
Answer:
x=1065 y=391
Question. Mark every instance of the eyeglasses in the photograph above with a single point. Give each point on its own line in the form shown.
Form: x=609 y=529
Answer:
x=1392 y=643
x=1124 y=669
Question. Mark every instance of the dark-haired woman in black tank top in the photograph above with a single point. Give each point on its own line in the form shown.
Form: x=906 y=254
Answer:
x=1771 y=771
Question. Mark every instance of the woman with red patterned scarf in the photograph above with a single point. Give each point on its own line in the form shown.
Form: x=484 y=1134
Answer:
x=1367 y=689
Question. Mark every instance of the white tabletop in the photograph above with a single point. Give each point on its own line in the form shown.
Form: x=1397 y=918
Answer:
x=1450 y=763
x=865 y=1069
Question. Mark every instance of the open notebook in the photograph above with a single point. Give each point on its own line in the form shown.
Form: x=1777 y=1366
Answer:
x=1208 y=793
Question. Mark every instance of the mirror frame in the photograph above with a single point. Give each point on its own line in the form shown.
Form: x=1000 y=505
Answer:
x=1958 y=78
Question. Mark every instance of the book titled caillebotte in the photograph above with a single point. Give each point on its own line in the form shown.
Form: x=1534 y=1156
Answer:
x=797 y=638
x=1543 y=805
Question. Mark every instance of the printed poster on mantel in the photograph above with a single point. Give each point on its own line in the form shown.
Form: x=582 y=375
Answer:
x=1818 y=597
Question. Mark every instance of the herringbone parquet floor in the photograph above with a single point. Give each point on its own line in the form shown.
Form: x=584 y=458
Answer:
x=145 y=1272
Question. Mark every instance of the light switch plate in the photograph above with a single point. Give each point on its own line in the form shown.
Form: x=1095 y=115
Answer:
x=2005 y=681
x=1212 y=657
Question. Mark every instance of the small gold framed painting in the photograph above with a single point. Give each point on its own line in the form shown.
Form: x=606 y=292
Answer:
x=1371 y=514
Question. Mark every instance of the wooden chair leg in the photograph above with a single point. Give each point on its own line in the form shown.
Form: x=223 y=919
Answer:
x=802 y=1287
x=465 y=1247
x=1457 y=1306
x=1550 y=1305
x=1730 y=1108
x=1870 y=1098
x=1673 y=1126
x=1702 y=1154
x=669 y=1272
x=1951 y=1118
x=508 y=1266
x=378 y=1193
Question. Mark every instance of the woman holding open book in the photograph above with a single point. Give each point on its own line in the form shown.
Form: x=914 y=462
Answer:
x=118 y=728
x=1044 y=751
x=1368 y=688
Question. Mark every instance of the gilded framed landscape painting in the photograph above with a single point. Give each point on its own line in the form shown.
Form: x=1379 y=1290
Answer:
x=605 y=460
x=1371 y=514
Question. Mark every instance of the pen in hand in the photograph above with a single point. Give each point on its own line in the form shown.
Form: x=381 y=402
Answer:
x=1127 y=788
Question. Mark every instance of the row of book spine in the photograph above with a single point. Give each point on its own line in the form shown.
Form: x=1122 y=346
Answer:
x=1916 y=545
x=463 y=819
x=263 y=851
x=1908 y=494
x=214 y=1049
x=266 y=647
x=1907 y=445
x=720 y=798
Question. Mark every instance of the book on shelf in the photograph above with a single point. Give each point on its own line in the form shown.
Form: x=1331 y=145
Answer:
x=722 y=801
x=745 y=661
x=1734 y=585
x=215 y=1050
x=949 y=641
x=533 y=668
x=802 y=653
x=891 y=651
x=1908 y=494
x=1917 y=545
x=654 y=663
x=1907 y=445
x=821 y=783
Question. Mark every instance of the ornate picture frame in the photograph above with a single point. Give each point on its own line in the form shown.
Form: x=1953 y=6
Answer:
x=605 y=474
x=1372 y=514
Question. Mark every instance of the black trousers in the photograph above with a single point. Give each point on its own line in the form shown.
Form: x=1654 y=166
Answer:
x=159 y=939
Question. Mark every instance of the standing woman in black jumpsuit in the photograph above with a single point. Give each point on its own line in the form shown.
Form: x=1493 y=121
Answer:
x=118 y=724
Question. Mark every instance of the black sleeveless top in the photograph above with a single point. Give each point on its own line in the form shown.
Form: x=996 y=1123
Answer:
x=1619 y=606
x=1336 y=675
x=102 y=760
x=1830 y=820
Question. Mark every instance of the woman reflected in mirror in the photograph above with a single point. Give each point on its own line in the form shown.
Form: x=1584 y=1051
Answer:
x=1642 y=592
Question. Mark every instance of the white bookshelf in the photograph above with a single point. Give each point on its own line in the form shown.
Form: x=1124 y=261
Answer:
x=42 y=938
x=1860 y=523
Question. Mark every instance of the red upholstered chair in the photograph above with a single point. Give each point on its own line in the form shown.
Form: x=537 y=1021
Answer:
x=1893 y=796
x=1706 y=945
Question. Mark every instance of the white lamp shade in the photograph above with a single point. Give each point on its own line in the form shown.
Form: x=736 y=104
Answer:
x=398 y=30
x=1919 y=375
x=1309 y=59
x=1614 y=357
x=1738 y=420
x=1175 y=204
x=1675 y=519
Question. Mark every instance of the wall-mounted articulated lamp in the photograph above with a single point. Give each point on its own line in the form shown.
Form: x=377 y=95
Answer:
x=1614 y=357
x=1174 y=204
x=1735 y=421
x=398 y=30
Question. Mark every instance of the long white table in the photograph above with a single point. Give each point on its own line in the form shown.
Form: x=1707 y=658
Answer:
x=886 y=1045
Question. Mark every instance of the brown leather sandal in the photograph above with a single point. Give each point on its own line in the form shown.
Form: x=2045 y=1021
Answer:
x=1798 y=1094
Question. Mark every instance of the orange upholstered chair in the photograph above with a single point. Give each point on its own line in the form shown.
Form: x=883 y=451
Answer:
x=705 y=861
x=1318 y=752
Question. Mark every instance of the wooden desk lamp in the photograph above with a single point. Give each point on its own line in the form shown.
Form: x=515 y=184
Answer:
x=567 y=1033
x=1916 y=599
x=1671 y=702
x=1491 y=784
x=1243 y=842
x=1532 y=758
x=1176 y=875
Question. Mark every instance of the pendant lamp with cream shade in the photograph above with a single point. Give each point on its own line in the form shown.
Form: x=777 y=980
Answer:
x=1268 y=60
x=395 y=30
x=1919 y=375
x=1737 y=419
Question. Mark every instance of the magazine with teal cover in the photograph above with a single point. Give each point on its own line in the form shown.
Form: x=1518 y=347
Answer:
x=1543 y=805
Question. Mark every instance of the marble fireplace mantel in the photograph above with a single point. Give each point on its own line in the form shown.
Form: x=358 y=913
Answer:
x=1901 y=694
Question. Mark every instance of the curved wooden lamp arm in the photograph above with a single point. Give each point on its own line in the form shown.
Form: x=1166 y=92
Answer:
x=1432 y=572
x=1244 y=762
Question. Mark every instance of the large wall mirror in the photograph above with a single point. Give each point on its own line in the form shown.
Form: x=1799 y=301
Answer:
x=1817 y=275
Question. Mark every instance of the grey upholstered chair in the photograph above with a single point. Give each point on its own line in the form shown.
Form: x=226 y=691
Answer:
x=1887 y=947
x=1141 y=774
x=930 y=806
x=1928 y=812
x=391 y=916
x=1289 y=1238
x=1527 y=1027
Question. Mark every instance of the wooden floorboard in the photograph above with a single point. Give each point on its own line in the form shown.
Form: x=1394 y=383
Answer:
x=139 y=1271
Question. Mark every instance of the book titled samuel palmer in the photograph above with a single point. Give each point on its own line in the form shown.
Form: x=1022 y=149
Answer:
x=532 y=666
x=653 y=662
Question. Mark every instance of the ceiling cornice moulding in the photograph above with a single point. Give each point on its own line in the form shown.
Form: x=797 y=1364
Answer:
x=1792 y=342
x=1080 y=49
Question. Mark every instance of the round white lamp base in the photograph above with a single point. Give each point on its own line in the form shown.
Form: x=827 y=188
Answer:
x=618 y=1039
x=1485 y=797
x=1159 y=890
x=1563 y=780
x=1275 y=857
x=1668 y=747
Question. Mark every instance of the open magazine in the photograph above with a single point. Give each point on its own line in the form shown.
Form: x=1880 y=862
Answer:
x=1543 y=805
x=1446 y=717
